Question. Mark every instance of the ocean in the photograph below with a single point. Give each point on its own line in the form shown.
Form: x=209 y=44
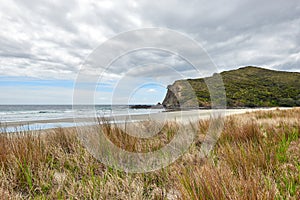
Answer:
x=26 y=113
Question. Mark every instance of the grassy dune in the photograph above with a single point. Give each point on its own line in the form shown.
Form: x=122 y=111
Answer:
x=256 y=157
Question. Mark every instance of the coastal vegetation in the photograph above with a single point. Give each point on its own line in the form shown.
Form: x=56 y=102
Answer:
x=256 y=157
x=244 y=87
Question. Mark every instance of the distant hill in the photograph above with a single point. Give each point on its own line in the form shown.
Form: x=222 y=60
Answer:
x=245 y=87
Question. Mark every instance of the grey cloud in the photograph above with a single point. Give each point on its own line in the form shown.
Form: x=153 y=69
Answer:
x=291 y=66
x=48 y=37
x=53 y=12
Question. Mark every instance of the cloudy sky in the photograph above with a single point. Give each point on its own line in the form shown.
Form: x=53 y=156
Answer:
x=44 y=44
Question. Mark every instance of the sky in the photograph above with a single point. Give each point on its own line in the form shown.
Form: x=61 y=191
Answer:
x=44 y=45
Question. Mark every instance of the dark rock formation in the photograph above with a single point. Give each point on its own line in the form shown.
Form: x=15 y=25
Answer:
x=140 y=106
x=157 y=106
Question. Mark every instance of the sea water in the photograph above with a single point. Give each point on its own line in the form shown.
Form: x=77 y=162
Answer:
x=29 y=113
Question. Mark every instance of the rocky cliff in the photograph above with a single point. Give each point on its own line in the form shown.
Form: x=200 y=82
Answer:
x=180 y=95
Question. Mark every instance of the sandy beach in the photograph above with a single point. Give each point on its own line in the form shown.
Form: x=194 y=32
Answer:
x=184 y=117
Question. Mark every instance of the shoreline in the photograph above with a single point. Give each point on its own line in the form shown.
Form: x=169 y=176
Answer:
x=184 y=116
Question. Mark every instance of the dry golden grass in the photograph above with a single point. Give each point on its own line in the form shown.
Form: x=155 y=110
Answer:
x=256 y=157
x=165 y=133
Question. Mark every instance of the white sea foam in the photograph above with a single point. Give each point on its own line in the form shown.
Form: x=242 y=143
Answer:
x=29 y=113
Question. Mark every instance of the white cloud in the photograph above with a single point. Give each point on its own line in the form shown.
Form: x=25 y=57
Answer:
x=151 y=90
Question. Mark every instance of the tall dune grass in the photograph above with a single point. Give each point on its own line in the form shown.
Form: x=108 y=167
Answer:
x=256 y=157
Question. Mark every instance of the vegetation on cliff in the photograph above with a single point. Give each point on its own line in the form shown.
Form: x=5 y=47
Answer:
x=245 y=87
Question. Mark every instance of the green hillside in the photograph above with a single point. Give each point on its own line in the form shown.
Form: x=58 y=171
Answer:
x=252 y=87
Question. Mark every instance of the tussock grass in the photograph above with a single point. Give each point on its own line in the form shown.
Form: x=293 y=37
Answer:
x=256 y=157
x=118 y=136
